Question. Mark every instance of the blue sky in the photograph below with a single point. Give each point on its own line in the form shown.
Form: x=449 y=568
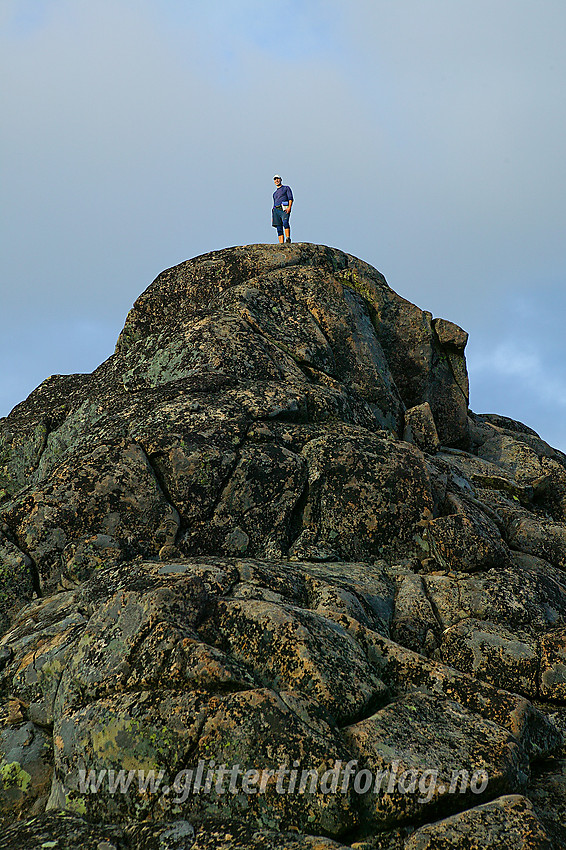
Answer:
x=426 y=138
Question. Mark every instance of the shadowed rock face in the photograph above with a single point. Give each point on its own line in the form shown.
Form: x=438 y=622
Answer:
x=268 y=536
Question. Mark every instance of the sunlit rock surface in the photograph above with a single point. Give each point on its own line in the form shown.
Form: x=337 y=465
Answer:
x=267 y=582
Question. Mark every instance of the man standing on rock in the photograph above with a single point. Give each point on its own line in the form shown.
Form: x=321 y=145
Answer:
x=282 y=203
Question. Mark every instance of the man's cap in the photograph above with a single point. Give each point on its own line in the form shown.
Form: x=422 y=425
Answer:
x=275 y=176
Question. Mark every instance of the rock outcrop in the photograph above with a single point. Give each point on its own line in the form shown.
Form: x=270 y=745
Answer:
x=268 y=582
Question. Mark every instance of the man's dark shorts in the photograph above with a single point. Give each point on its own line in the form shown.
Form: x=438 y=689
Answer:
x=279 y=219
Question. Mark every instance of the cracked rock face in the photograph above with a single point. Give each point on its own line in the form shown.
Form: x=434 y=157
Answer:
x=266 y=582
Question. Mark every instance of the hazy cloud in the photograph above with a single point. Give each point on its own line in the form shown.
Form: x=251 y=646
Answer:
x=426 y=138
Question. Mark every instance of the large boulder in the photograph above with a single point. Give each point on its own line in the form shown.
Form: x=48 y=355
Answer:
x=266 y=578
x=508 y=823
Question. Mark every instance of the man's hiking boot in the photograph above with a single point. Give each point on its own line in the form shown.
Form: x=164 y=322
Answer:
x=288 y=239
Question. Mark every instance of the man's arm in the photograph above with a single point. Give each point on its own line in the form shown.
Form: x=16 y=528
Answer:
x=289 y=200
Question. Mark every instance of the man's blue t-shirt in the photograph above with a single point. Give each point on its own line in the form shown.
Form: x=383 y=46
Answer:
x=282 y=195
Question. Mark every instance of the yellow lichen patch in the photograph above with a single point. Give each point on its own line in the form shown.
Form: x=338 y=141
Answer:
x=12 y=775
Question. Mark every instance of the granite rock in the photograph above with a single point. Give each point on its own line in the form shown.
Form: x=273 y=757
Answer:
x=264 y=552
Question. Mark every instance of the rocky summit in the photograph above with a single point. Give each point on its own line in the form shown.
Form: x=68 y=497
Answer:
x=267 y=582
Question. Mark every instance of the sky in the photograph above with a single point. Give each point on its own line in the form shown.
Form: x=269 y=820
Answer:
x=426 y=137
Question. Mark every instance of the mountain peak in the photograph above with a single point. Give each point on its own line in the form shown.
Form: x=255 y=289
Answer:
x=268 y=531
